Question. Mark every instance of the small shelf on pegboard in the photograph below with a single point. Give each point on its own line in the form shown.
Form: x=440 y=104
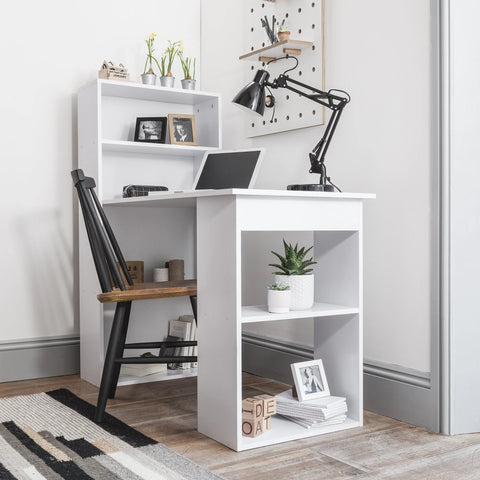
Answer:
x=291 y=47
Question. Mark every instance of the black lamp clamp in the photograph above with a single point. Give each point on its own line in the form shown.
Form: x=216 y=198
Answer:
x=252 y=97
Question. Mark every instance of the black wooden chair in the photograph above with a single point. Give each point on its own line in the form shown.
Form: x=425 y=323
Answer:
x=107 y=256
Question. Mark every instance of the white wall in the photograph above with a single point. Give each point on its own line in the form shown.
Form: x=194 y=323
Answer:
x=48 y=50
x=380 y=53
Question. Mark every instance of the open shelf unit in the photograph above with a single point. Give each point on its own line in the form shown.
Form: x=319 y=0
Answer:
x=224 y=224
x=107 y=113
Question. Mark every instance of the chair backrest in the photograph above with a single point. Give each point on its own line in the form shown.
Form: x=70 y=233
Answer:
x=105 y=249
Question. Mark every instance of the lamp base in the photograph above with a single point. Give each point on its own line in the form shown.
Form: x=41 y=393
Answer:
x=312 y=187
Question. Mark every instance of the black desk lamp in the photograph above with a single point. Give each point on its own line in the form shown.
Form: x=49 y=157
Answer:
x=252 y=97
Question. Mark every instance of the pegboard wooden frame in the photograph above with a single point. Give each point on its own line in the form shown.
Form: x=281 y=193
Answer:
x=306 y=21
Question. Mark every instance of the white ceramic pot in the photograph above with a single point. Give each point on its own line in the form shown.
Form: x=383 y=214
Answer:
x=279 y=301
x=302 y=290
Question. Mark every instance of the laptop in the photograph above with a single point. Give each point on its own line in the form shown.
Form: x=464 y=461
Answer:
x=225 y=169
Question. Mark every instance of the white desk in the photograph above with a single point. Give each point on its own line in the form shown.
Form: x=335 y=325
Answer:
x=223 y=217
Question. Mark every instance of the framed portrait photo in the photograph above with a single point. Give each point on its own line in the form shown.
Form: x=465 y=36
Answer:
x=151 y=129
x=182 y=129
x=310 y=380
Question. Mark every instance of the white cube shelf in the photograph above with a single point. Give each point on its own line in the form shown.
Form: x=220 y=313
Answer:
x=336 y=223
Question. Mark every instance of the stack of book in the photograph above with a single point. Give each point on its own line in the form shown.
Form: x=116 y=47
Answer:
x=185 y=328
x=312 y=413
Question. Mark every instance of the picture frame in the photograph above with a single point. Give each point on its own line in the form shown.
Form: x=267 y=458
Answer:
x=182 y=129
x=310 y=380
x=151 y=129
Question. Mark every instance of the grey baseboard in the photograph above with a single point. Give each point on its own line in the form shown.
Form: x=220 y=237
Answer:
x=39 y=357
x=390 y=390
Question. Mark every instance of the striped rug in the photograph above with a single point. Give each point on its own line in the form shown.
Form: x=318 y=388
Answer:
x=49 y=436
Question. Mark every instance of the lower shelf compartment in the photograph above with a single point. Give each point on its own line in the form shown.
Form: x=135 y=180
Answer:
x=284 y=430
x=157 y=377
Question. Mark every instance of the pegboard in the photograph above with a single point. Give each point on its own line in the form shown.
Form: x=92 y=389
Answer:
x=305 y=19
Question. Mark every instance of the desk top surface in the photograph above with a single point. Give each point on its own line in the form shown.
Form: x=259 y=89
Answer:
x=189 y=198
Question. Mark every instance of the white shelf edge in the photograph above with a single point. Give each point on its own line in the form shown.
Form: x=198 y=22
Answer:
x=115 y=88
x=190 y=198
x=157 y=377
x=153 y=148
x=260 y=313
x=291 y=431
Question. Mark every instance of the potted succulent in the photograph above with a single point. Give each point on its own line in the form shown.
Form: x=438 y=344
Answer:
x=278 y=298
x=148 y=76
x=283 y=32
x=295 y=273
x=188 y=66
x=174 y=48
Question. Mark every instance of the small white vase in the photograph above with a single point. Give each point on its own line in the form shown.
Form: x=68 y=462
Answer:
x=278 y=301
x=302 y=288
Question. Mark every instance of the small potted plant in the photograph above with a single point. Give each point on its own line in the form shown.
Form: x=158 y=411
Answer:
x=295 y=273
x=174 y=48
x=189 y=67
x=278 y=299
x=148 y=76
x=283 y=32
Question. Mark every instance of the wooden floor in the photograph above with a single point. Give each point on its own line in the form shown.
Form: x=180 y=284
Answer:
x=382 y=449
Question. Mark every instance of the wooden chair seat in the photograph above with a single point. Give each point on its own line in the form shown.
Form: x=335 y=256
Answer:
x=146 y=291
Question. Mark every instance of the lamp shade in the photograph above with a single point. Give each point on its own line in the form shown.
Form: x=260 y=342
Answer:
x=252 y=96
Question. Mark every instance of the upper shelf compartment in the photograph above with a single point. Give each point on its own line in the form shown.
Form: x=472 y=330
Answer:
x=138 y=91
x=292 y=47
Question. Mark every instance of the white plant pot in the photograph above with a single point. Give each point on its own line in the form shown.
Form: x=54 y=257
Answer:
x=301 y=287
x=279 y=301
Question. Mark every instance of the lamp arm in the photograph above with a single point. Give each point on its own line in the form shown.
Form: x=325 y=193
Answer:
x=334 y=102
x=317 y=157
x=283 y=81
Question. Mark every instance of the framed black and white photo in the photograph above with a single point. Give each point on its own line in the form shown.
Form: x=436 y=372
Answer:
x=151 y=129
x=182 y=129
x=310 y=380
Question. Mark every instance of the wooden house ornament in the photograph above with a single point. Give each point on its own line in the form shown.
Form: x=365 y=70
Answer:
x=112 y=71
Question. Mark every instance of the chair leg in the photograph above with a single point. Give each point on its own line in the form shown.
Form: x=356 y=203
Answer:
x=120 y=350
x=108 y=367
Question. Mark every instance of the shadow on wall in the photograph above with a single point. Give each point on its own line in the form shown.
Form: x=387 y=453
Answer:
x=48 y=269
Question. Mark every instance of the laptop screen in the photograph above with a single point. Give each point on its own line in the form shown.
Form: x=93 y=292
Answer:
x=229 y=169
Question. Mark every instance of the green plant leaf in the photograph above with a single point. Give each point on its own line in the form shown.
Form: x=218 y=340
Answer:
x=281 y=267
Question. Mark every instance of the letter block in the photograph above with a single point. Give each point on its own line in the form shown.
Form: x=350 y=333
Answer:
x=269 y=404
x=256 y=414
x=252 y=427
x=252 y=408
